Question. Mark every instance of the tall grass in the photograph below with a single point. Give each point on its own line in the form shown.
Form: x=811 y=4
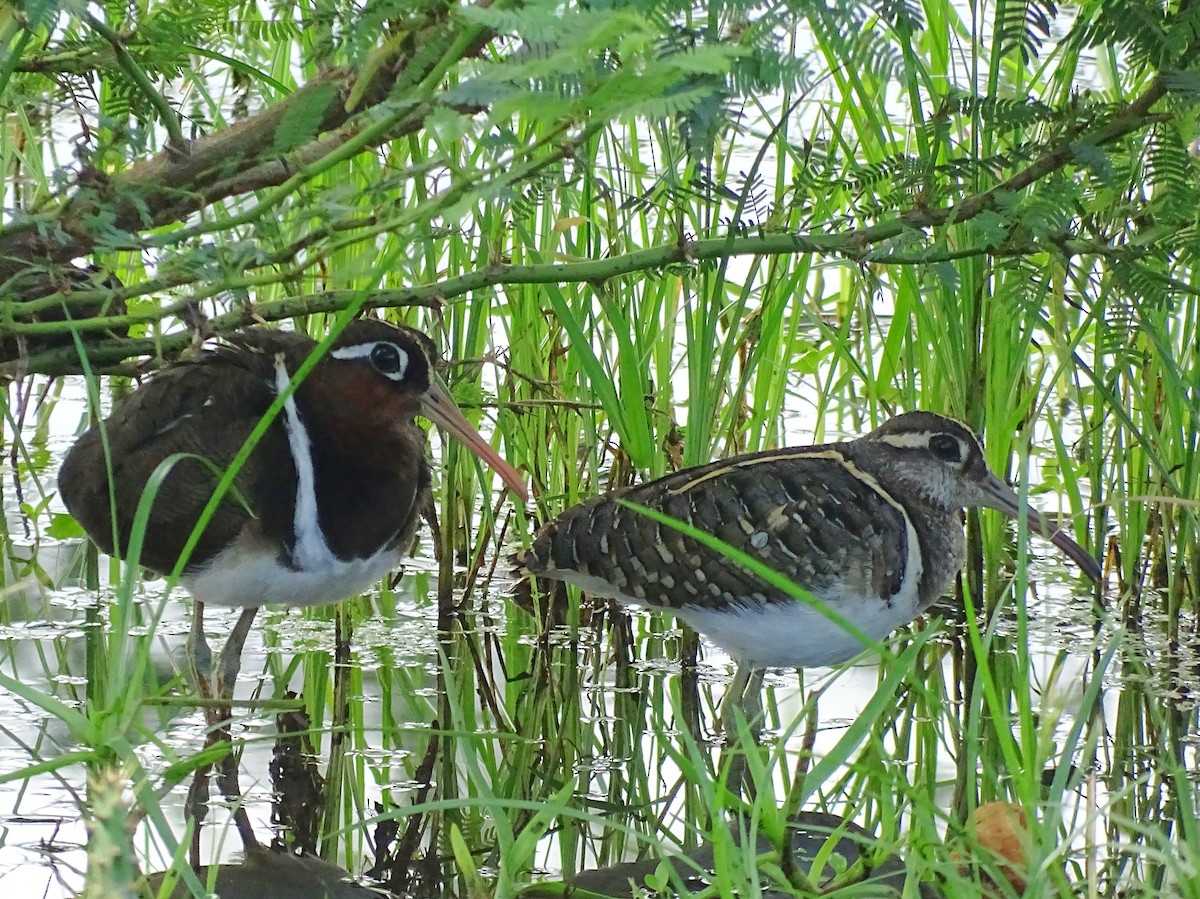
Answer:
x=504 y=754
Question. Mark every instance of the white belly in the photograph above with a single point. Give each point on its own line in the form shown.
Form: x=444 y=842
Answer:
x=794 y=634
x=233 y=578
x=789 y=634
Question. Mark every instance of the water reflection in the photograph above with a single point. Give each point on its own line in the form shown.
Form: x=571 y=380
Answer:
x=466 y=720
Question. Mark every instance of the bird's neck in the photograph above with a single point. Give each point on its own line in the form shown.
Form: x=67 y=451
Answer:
x=939 y=528
x=368 y=480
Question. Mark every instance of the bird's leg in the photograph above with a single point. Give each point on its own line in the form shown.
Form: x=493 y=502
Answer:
x=197 y=809
x=199 y=655
x=218 y=717
x=231 y=789
x=200 y=662
x=742 y=699
x=735 y=700
x=752 y=705
x=229 y=663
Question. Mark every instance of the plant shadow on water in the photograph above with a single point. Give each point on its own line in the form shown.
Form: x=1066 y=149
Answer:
x=454 y=745
x=442 y=745
x=650 y=236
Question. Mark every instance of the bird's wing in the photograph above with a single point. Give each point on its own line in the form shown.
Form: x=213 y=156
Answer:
x=807 y=514
x=200 y=410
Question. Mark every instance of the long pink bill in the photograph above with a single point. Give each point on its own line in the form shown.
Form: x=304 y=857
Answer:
x=438 y=407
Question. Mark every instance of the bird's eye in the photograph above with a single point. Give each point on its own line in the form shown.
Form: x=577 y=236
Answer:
x=945 y=447
x=389 y=360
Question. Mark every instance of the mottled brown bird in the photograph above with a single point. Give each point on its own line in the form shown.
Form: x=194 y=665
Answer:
x=869 y=527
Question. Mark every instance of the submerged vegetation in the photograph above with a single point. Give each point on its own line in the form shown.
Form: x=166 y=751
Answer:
x=647 y=235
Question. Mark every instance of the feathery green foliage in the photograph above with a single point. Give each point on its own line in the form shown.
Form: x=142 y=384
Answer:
x=647 y=234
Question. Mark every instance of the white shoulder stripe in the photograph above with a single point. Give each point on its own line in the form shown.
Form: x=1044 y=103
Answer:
x=310 y=550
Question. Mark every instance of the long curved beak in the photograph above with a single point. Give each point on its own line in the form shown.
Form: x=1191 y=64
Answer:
x=439 y=408
x=995 y=494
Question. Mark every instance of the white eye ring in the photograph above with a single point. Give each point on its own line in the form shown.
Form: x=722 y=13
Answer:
x=387 y=358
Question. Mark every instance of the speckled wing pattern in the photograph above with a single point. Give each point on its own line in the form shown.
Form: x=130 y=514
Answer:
x=808 y=513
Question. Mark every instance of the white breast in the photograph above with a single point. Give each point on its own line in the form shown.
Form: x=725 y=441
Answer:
x=795 y=635
x=234 y=577
x=249 y=573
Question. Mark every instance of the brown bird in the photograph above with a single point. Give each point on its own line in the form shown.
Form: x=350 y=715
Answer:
x=869 y=527
x=325 y=504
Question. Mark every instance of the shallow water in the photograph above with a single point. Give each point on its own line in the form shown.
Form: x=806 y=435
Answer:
x=43 y=839
x=620 y=695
